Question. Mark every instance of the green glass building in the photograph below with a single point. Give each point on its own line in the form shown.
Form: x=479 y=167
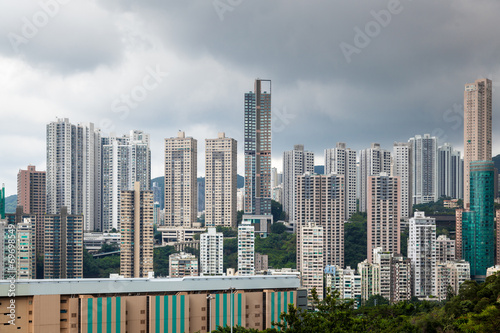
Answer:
x=478 y=224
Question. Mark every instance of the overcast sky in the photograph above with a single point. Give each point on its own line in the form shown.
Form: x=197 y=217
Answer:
x=350 y=71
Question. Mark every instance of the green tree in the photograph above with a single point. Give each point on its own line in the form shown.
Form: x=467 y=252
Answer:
x=108 y=248
x=280 y=249
x=160 y=260
x=107 y=265
x=227 y=231
x=277 y=211
x=376 y=300
x=331 y=315
x=239 y=217
x=230 y=253
x=355 y=237
x=90 y=267
x=404 y=243
x=278 y=228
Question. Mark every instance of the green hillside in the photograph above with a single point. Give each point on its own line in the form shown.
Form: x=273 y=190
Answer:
x=10 y=204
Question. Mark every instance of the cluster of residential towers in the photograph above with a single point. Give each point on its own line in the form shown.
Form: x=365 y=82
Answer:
x=102 y=184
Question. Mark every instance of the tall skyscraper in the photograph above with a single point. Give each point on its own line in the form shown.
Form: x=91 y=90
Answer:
x=295 y=163
x=63 y=246
x=342 y=161
x=258 y=150
x=384 y=197
x=401 y=167
x=220 y=181
x=31 y=195
x=180 y=181
x=125 y=160
x=246 y=249
x=424 y=169
x=74 y=171
x=422 y=252
x=450 y=172
x=211 y=252
x=478 y=223
x=373 y=161
x=477 y=128
x=320 y=199
x=136 y=228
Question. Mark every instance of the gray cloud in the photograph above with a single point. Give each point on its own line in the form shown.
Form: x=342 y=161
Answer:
x=405 y=81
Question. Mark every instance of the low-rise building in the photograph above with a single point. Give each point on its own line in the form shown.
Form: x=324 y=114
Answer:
x=183 y=264
x=93 y=241
x=345 y=281
x=450 y=274
x=190 y=304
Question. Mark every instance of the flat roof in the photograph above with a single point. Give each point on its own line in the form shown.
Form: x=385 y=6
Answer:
x=145 y=285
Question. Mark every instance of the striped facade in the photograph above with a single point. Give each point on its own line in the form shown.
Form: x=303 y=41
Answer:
x=116 y=308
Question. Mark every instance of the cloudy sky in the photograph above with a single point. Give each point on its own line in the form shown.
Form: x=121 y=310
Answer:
x=350 y=71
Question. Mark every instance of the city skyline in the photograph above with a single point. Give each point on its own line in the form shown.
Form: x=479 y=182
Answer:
x=195 y=79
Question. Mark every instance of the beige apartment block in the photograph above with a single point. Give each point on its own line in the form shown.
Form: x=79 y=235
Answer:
x=477 y=127
x=458 y=233
x=136 y=226
x=384 y=198
x=320 y=199
x=63 y=246
x=310 y=252
x=180 y=181
x=220 y=181
x=31 y=195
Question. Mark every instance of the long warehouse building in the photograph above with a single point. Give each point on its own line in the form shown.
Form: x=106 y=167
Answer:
x=190 y=304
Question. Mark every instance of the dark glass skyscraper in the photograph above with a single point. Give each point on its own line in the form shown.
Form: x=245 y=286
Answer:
x=478 y=238
x=258 y=150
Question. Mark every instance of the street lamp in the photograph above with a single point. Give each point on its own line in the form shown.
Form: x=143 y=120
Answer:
x=210 y=298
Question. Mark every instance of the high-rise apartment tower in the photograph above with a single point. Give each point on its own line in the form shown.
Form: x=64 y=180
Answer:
x=258 y=150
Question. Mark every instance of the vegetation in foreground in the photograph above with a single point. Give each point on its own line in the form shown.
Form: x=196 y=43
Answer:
x=475 y=309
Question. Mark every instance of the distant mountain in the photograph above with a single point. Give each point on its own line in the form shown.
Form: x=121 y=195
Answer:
x=10 y=204
x=496 y=161
x=319 y=169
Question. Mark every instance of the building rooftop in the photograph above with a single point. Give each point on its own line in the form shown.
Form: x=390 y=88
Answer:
x=145 y=285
